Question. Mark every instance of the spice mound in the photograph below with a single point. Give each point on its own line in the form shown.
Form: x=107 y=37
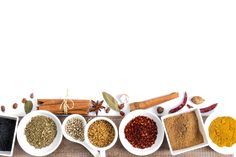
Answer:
x=75 y=128
x=222 y=131
x=141 y=132
x=183 y=130
x=40 y=131
x=101 y=133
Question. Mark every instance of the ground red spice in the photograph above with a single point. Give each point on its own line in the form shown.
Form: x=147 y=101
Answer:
x=141 y=132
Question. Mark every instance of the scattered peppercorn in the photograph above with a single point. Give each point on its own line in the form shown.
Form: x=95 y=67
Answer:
x=32 y=95
x=160 y=110
x=141 y=132
x=15 y=105
x=122 y=113
x=108 y=110
x=3 y=108
x=121 y=106
x=24 y=100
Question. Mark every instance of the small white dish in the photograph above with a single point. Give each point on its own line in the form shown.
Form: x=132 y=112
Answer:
x=201 y=128
x=29 y=148
x=11 y=117
x=125 y=142
x=101 y=149
x=95 y=153
x=221 y=150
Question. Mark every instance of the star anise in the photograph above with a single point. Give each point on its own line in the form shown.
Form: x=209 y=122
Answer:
x=96 y=106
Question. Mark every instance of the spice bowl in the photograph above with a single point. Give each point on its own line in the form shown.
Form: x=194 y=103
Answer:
x=222 y=150
x=8 y=127
x=95 y=153
x=143 y=116
x=104 y=131
x=187 y=127
x=22 y=137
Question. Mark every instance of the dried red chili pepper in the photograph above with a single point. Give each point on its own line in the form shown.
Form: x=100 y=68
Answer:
x=189 y=106
x=180 y=105
x=141 y=132
x=209 y=108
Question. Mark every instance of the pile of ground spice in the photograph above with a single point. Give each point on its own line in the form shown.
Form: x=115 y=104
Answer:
x=222 y=131
x=183 y=130
x=101 y=133
x=141 y=132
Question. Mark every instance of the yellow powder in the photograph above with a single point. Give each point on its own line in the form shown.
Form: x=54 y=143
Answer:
x=222 y=131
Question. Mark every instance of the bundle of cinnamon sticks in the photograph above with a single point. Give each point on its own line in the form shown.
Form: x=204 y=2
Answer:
x=75 y=106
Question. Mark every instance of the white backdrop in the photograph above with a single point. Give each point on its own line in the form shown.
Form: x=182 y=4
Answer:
x=142 y=48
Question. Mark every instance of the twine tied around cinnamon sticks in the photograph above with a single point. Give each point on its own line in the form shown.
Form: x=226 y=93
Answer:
x=64 y=105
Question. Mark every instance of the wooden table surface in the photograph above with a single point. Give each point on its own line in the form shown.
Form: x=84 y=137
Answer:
x=69 y=149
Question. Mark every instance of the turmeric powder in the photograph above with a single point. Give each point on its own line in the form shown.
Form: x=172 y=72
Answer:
x=222 y=131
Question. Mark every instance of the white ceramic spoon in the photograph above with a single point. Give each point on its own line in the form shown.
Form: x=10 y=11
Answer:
x=95 y=153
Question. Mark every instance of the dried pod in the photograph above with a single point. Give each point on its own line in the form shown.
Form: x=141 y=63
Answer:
x=121 y=106
x=197 y=100
x=122 y=113
x=3 y=108
x=15 y=105
x=108 y=110
x=160 y=110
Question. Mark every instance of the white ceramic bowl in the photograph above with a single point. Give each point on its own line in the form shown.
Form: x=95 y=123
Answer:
x=23 y=141
x=222 y=150
x=125 y=142
x=86 y=134
x=201 y=128
x=68 y=137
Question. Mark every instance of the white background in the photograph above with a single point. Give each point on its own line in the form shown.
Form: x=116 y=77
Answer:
x=142 y=48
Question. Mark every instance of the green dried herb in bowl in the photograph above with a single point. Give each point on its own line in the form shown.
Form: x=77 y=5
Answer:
x=40 y=131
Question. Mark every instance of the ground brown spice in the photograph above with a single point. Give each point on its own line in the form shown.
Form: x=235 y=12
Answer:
x=183 y=130
x=101 y=133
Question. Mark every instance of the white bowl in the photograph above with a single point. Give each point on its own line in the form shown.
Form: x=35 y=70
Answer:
x=201 y=128
x=125 y=142
x=68 y=137
x=86 y=134
x=6 y=116
x=29 y=148
x=221 y=150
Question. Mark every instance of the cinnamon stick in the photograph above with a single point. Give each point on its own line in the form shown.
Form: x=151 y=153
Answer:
x=152 y=102
x=57 y=107
x=81 y=112
x=59 y=101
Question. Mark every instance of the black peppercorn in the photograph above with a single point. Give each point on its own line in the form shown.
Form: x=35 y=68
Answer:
x=160 y=110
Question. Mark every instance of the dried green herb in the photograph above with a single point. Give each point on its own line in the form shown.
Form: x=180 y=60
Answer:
x=111 y=101
x=40 y=131
x=28 y=106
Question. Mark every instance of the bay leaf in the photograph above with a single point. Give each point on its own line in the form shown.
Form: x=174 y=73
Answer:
x=28 y=106
x=111 y=101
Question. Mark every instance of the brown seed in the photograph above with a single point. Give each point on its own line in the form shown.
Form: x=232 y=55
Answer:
x=32 y=95
x=121 y=106
x=160 y=110
x=108 y=110
x=122 y=113
x=24 y=100
x=3 y=108
x=15 y=105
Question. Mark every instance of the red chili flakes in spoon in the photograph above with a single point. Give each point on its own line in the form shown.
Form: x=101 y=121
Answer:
x=141 y=132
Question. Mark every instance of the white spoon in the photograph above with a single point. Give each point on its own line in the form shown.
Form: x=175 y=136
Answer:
x=95 y=153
